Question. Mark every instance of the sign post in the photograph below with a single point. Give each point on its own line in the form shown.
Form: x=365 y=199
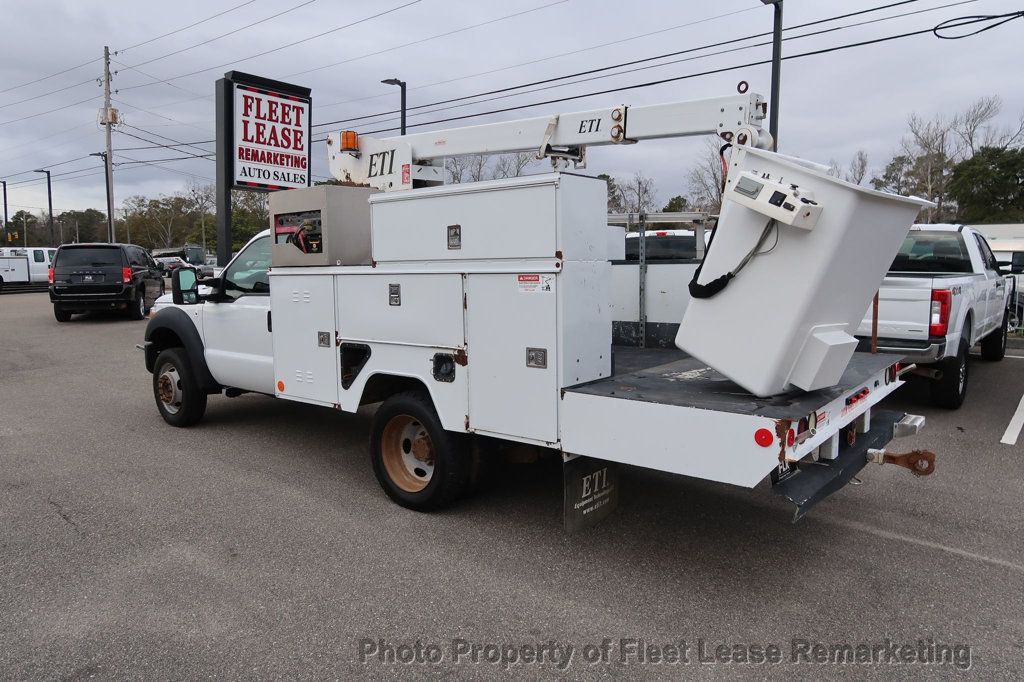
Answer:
x=263 y=142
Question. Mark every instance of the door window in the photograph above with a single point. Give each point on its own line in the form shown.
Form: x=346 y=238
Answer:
x=986 y=254
x=38 y=256
x=247 y=274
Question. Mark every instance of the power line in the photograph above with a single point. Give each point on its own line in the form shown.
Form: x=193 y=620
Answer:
x=280 y=47
x=49 y=111
x=549 y=58
x=52 y=75
x=172 y=158
x=678 y=78
x=90 y=61
x=620 y=65
x=163 y=146
x=185 y=28
x=52 y=165
x=177 y=142
x=643 y=68
x=223 y=35
x=433 y=37
x=158 y=115
x=173 y=170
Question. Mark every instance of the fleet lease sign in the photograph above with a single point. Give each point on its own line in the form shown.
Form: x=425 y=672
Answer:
x=271 y=139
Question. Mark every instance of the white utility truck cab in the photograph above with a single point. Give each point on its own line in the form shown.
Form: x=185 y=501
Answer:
x=25 y=265
x=481 y=311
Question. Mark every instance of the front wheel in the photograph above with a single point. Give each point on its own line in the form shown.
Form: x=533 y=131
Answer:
x=178 y=397
x=951 y=389
x=993 y=346
x=419 y=464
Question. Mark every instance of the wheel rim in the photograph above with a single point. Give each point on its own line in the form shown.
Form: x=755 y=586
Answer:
x=407 y=453
x=963 y=375
x=142 y=304
x=168 y=389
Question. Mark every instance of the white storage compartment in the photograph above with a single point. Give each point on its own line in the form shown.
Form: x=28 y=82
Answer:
x=305 y=352
x=787 y=318
x=542 y=216
x=419 y=309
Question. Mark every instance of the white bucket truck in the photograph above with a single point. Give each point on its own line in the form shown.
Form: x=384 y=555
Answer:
x=482 y=310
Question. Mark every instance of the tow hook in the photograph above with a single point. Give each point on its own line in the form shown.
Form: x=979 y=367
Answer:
x=920 y=462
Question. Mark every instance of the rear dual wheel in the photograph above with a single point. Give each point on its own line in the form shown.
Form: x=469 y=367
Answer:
x=419 y=464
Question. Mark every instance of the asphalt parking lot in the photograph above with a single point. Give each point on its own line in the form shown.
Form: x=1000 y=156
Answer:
x=259 y=544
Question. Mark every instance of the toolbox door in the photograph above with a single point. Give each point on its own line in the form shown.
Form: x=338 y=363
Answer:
x=511 y=340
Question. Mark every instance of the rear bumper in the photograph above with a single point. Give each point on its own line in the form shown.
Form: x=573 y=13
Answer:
x=922 y=352
x=812 y=481
x=89 y=300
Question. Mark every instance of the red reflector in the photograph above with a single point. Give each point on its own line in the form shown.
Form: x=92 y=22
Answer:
x=49 y=275
x=763 y=437
x=942 y=301
x=126 y=275
x=791 y=438
x=661 y=234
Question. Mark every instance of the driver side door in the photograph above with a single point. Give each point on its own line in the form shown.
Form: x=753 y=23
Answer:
x=236 y=332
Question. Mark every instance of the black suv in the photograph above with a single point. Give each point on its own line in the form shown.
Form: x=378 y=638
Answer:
x=87 y=277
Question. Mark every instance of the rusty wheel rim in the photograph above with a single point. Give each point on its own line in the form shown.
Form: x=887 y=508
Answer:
x=407 y=453
x=168 y=389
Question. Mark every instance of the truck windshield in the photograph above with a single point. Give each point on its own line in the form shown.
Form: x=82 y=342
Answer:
x=90 y=256
x=932 y=251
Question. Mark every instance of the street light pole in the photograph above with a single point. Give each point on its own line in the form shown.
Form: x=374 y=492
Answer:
x=110 y=196
x=49 y=201
x=5 y=209
x=400 y=84
x=773 y=105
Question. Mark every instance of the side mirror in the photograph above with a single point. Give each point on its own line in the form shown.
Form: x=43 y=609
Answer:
x=184 y=287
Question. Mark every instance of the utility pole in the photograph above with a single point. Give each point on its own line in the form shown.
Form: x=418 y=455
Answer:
x=24 y=229
x=108 y=159
x=49 y=201
x=773 y=105
x=77 y=237
x=5 y=210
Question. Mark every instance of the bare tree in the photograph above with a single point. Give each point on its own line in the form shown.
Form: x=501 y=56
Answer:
x=858 y=167
x=704 y=179
x=834 y=169
x=456 y=168
x=201 y=199
x=477 y=167
x=513 y=165
x=638 y=193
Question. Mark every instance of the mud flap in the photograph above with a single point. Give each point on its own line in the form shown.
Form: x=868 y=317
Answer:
x=811 y=482
x=590 y=491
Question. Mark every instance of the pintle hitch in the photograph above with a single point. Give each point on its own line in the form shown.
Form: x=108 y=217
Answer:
x=920 y=462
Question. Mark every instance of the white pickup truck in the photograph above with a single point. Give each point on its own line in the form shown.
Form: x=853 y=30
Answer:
x=944 y=293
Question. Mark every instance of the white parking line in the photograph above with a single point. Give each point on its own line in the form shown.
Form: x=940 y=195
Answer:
x=900 y=537
x=1015 y=357
x=1013 y=428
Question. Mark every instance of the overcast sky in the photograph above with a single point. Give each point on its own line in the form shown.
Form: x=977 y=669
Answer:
x=831 y=104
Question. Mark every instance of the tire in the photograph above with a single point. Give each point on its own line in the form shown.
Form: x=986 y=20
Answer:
x=61 y=315
x=993 y=346
x=138 y=310
x=419 y=464
x=949 y=391
x=177 y=395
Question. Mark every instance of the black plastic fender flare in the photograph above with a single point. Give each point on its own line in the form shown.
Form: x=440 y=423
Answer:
x=178 y=322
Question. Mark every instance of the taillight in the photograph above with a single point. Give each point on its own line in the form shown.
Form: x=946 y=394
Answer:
x=49 y=275
x=942 y=301
x=126 y=275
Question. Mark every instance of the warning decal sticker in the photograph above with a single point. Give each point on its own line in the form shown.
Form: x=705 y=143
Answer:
x=534 y=284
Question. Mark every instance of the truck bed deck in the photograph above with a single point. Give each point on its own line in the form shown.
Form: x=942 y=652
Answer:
x=671 y=377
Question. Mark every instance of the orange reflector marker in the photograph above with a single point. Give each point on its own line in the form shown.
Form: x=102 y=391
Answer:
x=280 y=387
x=763 y=437
x=349 y=141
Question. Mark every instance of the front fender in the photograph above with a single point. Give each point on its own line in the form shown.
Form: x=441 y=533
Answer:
x=171 y=327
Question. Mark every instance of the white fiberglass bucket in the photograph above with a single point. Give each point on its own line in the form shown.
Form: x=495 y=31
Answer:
x=787 y=317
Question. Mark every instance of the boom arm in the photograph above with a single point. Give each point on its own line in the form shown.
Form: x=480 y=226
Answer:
x=396 y=162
